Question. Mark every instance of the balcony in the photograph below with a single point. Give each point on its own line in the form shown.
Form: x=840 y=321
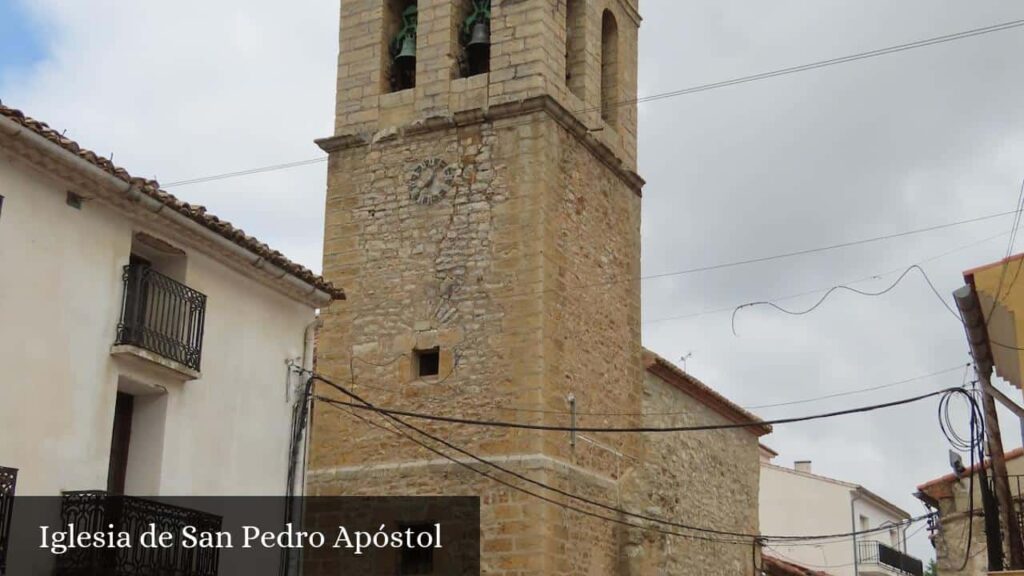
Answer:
x=161 y=317
x=877 y=559
x=97 y=511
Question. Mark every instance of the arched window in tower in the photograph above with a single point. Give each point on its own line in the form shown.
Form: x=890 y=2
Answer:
x=609 y=68
x=399 y=67
x=473 y=37
x=575 y=47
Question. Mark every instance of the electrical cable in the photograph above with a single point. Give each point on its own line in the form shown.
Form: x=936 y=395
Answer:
x=819 y=249
x=974 y=444
x=756 y=407
x=860 y=391
x=834 y=289
x=531 y=492
x=676 y=93
x=732 y=264
x=1005 y=267
x=824 y=63
x=365 y=404
x=638 y=429
x=820 y=290
x=271 y=168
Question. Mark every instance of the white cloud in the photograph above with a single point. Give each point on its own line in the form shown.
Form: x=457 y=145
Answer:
x=191 y=88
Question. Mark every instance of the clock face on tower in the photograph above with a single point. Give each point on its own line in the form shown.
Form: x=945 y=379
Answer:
x=430 y=180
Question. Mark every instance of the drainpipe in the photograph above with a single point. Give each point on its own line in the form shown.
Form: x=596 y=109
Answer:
x=306 y=370
x=853 y=523
x=291 y=562
x=310 y=342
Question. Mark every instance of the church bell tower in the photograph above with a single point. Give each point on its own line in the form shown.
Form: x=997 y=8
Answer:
x=483 y=214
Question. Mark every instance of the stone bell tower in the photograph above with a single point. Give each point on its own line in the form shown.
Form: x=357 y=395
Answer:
x=483 y=213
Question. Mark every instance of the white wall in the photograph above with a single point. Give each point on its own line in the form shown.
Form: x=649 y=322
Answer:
x=60 y=295
x=797 y=504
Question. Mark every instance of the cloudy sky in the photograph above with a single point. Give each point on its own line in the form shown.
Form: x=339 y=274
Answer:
x=192 y=88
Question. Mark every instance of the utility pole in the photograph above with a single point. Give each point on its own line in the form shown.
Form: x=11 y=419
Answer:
x=1000 y=476
x=977 y=336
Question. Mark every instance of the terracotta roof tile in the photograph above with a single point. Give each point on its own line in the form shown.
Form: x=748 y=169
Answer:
x=776 y=567
x=194 y=212
x=939 y=487
x=701 y=391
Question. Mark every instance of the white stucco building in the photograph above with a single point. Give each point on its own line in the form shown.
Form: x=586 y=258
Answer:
x=144 y=344
x=797 y=502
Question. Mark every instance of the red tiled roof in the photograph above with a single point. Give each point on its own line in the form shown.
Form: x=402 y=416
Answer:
x=776 y=567
x=940 y=487
x=196 y=213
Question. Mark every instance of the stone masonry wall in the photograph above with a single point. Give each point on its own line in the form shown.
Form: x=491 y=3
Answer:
x=528 y=44
x=496 y=274
x=705 y=479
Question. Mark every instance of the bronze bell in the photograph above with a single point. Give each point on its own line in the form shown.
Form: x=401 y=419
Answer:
x=480 y=35
x=408 y=51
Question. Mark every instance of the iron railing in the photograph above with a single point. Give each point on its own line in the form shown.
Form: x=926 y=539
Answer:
x=1016 y=484
x=162 y=316
x=877 y=553
x=8 y=480
x=98 y=511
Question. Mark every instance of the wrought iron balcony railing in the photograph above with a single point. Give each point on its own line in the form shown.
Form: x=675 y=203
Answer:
x=8 y=480
x=98 y=511
x=162 y=316
x=877 y=553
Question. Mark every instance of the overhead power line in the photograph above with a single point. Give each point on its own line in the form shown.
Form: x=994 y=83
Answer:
x=700 y=535
x=748 y=261
x=718 y=535
x=833 y=61
x=760 y=259
x=682 y=92
x=272 y=168
x=834 y=289
x=756 y=407
x=635 y=429
x=827 y=248
x=820 y=290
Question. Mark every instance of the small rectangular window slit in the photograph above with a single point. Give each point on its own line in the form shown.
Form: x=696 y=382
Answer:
x=427 y=362
x=74 y=200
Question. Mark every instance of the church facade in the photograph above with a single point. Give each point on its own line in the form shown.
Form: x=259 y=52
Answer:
x=483 y=213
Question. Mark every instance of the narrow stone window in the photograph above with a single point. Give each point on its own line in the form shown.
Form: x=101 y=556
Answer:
x=473 y=37
x=609 y=68
x=400 y=24
x=73 y=200
x=427 y=363
x=575 y=46
x=1 y=205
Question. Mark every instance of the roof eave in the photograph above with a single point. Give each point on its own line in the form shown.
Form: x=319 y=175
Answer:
x=120 y=184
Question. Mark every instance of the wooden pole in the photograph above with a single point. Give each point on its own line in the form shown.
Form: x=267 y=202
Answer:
x=1000 y=477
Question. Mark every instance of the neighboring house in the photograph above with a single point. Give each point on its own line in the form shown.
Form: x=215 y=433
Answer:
x=797 y=502
x=143 y=341
x=772 y=566
x=950 y=497
x=1001 y=344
